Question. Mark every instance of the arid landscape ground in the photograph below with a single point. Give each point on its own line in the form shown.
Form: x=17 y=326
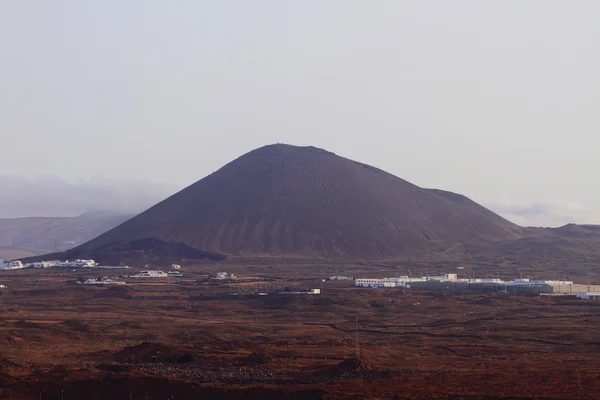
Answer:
x=192 y=338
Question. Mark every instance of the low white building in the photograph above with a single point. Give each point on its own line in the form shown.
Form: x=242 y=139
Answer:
x=588 y=295
x=525 y=283
x=80 y=263
x=400 y=281
x=375 y=282
x=219 y=276
x=442 y=278
x=2 y=287
x=101 y=281
x=557 y=283
x=309 y=291
x=479 y=280
x=175 y=266
x=42 y=264
x=150 y=274
x=11 y=265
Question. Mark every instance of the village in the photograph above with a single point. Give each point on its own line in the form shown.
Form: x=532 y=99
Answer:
x=448 y=281
x=79 y=263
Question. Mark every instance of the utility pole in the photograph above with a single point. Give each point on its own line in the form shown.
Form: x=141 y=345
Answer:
x=356 y=339
x=514 y=297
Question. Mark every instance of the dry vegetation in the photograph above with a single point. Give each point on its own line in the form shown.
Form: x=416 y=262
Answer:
x=190 y=337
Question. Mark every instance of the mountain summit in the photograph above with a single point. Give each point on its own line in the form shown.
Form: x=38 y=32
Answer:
x=283 y=200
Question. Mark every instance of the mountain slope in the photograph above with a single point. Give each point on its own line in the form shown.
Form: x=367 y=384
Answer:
x=304 y=201
x=37 y=235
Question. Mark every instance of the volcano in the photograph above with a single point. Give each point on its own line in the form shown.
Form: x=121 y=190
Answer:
x=283 y=200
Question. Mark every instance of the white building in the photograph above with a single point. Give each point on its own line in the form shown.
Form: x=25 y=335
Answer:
x=443 y=278
x=66 y=264
x=525 y=283
x=401 y=281
x=588 y=295
x=222 y=275
x=375 y=282
x=479 y=280
x=150 y=274
x=2 y=287
x=309 y=291
x=557 y=283
x=11 y=265
x=75 y=264
x=42 y=264
x=101 y=281
x=175 y=266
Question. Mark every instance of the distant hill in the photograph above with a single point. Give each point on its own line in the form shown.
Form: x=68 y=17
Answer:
x=25 y=237
x=570 y=242
x=283 y=200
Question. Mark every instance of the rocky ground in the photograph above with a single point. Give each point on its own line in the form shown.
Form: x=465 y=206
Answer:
x=193 y=338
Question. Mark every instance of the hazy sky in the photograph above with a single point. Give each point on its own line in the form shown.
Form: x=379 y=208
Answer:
x=497 y=100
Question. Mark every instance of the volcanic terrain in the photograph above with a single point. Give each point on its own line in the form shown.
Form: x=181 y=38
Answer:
x=283 y=200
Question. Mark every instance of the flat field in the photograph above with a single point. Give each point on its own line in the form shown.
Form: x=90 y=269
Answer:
x=192 y=338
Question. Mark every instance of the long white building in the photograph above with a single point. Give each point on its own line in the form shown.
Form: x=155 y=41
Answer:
x=76 y=263
x=150 y=274
x=101 y=281
x=404 y=281
x=387 y=282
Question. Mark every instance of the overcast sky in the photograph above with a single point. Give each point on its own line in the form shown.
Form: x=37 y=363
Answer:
x=497 y=100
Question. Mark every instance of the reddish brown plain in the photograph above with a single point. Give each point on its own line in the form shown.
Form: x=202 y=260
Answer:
x=190 y=338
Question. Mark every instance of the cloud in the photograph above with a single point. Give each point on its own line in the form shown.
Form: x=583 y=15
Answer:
x=547 y=214
x=50 y=196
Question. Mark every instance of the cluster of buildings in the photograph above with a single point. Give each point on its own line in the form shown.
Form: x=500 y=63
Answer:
x=451 y=281
x=101 y=281
x=222 y=276
x=142 y=274
x=156 y=274
x=11 y=265
x=16 y=264
x=340 y=278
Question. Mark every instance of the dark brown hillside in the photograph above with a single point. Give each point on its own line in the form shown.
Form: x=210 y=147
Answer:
x=304 y=201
